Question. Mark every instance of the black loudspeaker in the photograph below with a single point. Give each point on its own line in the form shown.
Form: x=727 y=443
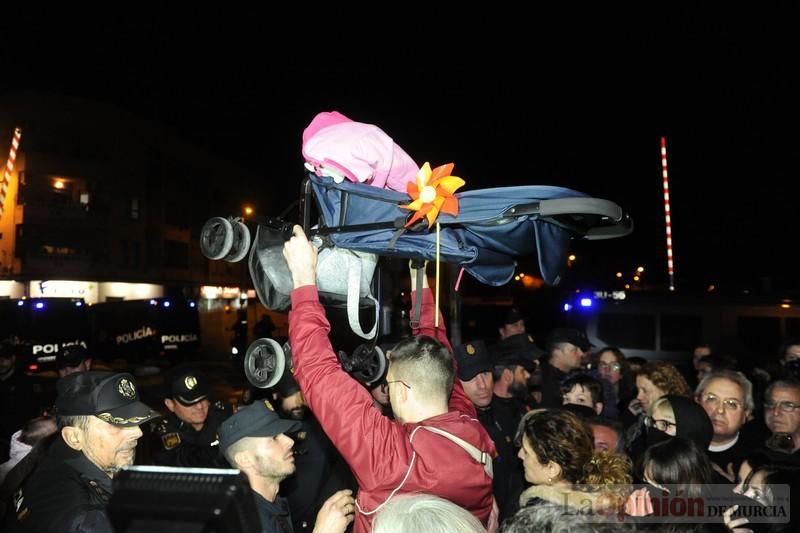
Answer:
x=172 y=500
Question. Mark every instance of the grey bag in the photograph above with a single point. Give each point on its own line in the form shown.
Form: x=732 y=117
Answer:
x=343 y=277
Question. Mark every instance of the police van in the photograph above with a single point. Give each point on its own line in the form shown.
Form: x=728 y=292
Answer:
x=44 y=326
x=159 y=331
x=667 y=326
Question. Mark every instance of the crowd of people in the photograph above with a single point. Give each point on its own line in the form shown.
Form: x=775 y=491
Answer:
x=484 y=436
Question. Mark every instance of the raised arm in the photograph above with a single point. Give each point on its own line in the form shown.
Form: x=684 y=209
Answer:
x=458 y=399
x=364 y=437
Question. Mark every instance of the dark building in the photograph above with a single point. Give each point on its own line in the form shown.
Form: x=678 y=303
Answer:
x=102 y=205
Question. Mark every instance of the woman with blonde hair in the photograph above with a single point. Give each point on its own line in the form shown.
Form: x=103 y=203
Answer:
x=558 y=455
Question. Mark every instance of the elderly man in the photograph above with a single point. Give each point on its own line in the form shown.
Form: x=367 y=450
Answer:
x=782 y=414
x=254 y=440
x=434 y=445
x=727 y=398
x=98 y=416
x=187 y=436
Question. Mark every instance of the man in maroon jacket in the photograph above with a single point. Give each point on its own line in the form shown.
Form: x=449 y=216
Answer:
x=390 y=457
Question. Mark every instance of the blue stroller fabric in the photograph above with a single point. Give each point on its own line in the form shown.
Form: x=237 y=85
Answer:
x=488 y=235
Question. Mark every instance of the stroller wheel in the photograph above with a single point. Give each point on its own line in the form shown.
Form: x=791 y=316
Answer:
x=216 y=238
x=241 y=243
x=366 y=364
x=264 y=363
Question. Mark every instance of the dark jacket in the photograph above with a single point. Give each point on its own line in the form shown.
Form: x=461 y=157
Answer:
x=501 y=419
x=176 y=443
x=66 y=493
x=387 y=457
x=274 y=517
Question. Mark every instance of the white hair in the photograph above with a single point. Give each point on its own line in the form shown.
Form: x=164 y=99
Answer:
x=424 y=513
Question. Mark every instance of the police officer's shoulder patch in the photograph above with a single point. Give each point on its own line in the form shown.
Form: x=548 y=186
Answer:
x=171 y=440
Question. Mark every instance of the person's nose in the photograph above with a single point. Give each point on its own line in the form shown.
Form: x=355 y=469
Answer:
x=135 y=431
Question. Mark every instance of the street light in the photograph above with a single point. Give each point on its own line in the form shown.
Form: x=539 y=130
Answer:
x=248 y=210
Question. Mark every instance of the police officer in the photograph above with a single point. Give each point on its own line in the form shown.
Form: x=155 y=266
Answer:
x=98 y=416
x=321 y=471
x=500 y=417
x=187 y=435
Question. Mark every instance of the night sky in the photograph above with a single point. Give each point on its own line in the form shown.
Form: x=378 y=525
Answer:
x=577 y=100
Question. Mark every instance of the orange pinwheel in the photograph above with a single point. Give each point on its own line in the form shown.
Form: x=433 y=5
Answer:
x=433 y=192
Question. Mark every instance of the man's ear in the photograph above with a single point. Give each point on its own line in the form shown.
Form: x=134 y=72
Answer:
x=242 y=459
x=73 y=437
x=598 y=407
x=170 y=403
x=508 y=375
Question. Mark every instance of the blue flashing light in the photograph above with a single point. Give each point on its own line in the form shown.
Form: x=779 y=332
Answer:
x=567 y=307
x=78 y=304
x=166 y=303
x=39 y=305
x=20 y=303
x=586 y=302
x=153 y=302
x=192 y=304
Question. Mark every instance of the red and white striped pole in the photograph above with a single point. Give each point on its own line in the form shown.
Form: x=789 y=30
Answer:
x=12 y=156
x=667 y=215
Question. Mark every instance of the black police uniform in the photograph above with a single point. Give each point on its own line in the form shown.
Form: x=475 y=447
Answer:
x=275 y=517
x=320 y=473
x=67 y=492
x=501 y=419
x=178 y=444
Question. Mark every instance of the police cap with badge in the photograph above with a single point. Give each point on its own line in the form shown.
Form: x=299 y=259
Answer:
x=473 y=358
x=258 y=419
x=108 y=396
x=518 y=350
x=187 y=385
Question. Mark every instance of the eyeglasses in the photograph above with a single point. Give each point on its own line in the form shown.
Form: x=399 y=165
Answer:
x=614 y=367
x=714 y=402
x=406 y=385
x=661 y=425
x=785 y=406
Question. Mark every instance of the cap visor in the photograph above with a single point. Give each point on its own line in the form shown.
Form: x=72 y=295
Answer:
x=276 y=427
x=133 y=414
x=190 y=401
x=466 y=374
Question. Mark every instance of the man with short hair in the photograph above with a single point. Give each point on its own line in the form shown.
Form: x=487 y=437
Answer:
x=727 y=397
x=782 y=414
x=255 y=441
x=187 y=436
x=98 y=415
x=565 y=350
x=499 y=416
x=390 y=457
